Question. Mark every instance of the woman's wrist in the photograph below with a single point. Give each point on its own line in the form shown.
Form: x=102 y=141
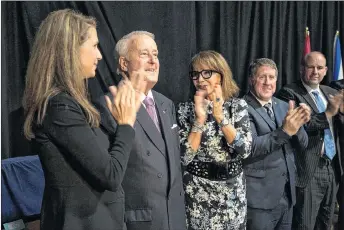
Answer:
x=198 y=127
x=200 y=121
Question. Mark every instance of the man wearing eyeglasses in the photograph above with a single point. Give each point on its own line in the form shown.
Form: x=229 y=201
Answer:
x=318 y=167
x=270 y=169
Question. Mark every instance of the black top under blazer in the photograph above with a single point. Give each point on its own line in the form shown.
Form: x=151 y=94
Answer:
x=307 y=160
x=83 y=169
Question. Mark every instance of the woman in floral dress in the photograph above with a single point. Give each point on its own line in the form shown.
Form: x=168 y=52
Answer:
x=215 y=137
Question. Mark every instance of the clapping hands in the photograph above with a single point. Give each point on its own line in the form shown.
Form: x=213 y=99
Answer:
x=334 y=104
x=296 y=117
x=201 y=104
x=126 y=100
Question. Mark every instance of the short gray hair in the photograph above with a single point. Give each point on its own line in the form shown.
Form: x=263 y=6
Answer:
x=121 y=47
x=255 y=64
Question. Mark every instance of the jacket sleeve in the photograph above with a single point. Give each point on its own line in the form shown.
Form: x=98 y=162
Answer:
x=300 y=139
x=66 y=126
x=318 y=120
x=267 y=143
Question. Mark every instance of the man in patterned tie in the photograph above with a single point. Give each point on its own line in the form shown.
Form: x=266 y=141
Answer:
x=277 y=129
x=318 y=167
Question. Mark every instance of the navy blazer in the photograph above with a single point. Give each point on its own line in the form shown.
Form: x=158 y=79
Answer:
x=271 y=162
x=153 y=189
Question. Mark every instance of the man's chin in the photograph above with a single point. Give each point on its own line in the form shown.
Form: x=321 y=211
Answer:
x=266 y=97
x=152 y=79
x=313 y=83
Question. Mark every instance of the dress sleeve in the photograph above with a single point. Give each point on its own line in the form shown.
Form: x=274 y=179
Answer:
x=66 y=126
x=242 y=143
x=184 y=113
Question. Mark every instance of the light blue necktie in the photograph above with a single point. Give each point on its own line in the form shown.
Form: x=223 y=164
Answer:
x=328 y=138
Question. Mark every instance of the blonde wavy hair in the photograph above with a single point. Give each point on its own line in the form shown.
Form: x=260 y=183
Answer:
x=215 y=61
x=54 y=66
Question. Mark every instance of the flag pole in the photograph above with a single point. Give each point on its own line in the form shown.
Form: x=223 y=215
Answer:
x=307 y=44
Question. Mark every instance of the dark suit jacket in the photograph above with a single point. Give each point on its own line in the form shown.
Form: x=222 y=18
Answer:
x=154 y=197
x=307 y=160
x=271 y=162
x=79 y=164
x=339 y=123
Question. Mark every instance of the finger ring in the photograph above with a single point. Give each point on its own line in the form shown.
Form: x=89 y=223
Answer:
x=217 y=99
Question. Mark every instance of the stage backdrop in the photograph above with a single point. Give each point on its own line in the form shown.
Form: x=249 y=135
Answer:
x=241 y=31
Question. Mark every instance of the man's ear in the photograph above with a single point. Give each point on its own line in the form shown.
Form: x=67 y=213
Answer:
x=123 y=64
x=250 y=81
x=302 y=70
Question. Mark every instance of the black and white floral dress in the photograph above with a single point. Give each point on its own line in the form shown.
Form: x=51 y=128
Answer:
x=213 y=204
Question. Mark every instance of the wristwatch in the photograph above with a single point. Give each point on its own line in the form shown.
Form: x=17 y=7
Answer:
x=224 y=122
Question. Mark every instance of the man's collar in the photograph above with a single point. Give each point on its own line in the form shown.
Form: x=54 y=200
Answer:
x=309 y=89
x=260 y=101
x=143 y=96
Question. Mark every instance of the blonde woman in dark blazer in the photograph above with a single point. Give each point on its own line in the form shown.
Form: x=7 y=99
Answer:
x=83 y=168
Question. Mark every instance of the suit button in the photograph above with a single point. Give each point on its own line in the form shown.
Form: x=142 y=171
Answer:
x=284 y=174
x=148 y=153
x=159 y=175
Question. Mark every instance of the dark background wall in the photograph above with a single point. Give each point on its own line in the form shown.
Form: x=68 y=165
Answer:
x=241 y=31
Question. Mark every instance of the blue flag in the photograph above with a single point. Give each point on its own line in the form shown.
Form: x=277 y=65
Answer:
x=337 y=59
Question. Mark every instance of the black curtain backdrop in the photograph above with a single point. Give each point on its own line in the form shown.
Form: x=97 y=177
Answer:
x=241 y=31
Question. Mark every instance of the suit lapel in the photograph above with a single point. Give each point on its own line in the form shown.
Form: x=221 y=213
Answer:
x=262 y=112
x=165 y=125
x=325 y=92
x=278 y=112
x=148 y=126
x=251 y=100
x=304 y=93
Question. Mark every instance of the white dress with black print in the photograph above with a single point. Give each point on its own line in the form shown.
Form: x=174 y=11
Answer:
x=213 y=204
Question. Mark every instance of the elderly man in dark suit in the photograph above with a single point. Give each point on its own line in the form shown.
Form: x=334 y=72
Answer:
x=153 y=189
x=318 y=167
x=270 y=169
x=339 y=134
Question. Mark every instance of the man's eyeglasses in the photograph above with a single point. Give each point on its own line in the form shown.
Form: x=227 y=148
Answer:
x=206 y=74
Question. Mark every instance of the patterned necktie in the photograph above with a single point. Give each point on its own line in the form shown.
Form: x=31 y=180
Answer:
x=151 y=111
x=328 y=138
x=270 y=112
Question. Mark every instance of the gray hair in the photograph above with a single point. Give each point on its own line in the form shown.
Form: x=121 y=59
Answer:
x=122 y=45
x=255 y=64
